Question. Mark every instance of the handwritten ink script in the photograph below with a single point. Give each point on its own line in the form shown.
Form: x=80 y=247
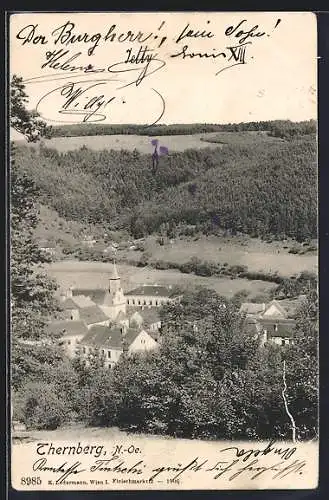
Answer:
x=95 y=76
x=129 y=464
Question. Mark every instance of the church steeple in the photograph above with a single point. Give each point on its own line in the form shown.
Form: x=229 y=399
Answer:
x=115 y=284
x=115 y=274
x=114 y=299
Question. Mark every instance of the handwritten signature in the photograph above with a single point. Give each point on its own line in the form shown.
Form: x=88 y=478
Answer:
x=243 y=461
x=92 y=100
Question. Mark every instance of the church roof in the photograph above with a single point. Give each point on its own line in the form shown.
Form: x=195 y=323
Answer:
x=96 y=294
x=115 y=274
x=68 y=328
x=92 y=314
x=152 y=290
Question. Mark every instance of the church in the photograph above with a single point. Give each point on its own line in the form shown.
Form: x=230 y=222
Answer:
x=108 y=321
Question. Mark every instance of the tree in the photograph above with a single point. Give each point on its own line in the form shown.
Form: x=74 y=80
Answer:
x=25 y=122
x=32 y=292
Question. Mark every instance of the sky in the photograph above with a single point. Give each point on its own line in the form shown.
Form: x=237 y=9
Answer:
x=277 y=81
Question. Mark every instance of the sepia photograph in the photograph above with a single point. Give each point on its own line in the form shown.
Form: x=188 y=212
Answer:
x=163 y=251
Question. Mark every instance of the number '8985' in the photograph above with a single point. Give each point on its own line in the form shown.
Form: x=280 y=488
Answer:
x=30 y=481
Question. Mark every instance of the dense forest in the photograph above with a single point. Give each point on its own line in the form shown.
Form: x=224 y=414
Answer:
x=278 y=128
x=259 y=189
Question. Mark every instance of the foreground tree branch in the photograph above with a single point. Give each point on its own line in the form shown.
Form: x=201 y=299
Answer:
x=284 y=390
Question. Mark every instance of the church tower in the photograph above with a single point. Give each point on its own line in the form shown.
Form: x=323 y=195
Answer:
x=114 y=299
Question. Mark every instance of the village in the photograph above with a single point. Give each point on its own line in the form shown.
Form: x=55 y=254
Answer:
x=110 y=321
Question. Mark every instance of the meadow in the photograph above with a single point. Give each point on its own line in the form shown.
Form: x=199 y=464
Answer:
x=254 y=253
x=129 y=142
x=72 y=273
x=143 y=142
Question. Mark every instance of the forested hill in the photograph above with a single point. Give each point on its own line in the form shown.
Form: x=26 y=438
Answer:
x=259 y=189
x=276 y=128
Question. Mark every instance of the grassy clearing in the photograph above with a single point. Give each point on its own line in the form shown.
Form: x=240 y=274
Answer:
x=143 y=143
x=254 y=253
x=97 y=274
x=242 y=138
x=130 y=142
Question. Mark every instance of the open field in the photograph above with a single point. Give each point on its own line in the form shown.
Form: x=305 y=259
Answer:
x=96 y=275
x=240 y=138
x=254 y=253
x=143 y=142
x=129 y=142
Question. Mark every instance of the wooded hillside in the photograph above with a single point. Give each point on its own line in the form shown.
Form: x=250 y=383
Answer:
x=257 y=189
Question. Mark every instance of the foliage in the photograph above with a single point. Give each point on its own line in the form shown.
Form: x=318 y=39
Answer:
x=32 y=292
x=209 y=379
x=262 y=190
x=277 y=128
x=23 y=121
x=42 y=408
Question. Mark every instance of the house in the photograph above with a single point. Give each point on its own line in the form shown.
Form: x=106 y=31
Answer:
x=148 y=317
x=88 y=241
x=111 y=342
x=151 y=296
x=110 y=249
x=47 y=247
x=105 y=341
x=70 y=333
x=280 y=331
x=273 y=322
x=83 y=308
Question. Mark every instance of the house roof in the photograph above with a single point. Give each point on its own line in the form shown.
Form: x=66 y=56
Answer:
x=291 y=306
x=68 y=304
x=82 y=301
x=104 y=336
x=152 y=291
x=68 y=328
x=131 y=335
x=277 y=305
x=252 y=325
x=109 y=337
x=150 y=315
x=92 y=314
x=96 y=294
x=252 y=308
x=47 y=244
x=121 y=316
x=280 y=330
x=274 y=321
